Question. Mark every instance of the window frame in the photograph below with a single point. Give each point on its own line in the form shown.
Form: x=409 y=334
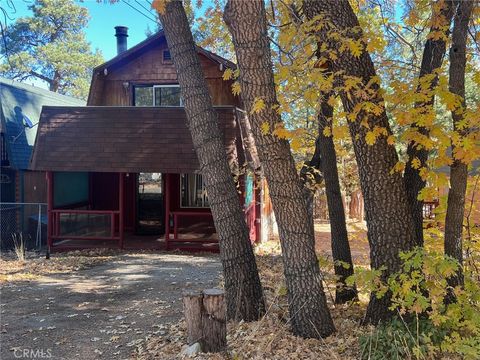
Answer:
x=153 y=87
x=165 y=61
x=167 y=86
x=206 y=195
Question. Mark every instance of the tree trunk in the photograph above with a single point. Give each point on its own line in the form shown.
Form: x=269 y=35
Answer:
x=310 y=177
x=433 y=54
x=336 y=212
x=214 y=324
x=242 y=284
x=458 y=170
x=192 y=310
x=389 y=221
x=309 y=313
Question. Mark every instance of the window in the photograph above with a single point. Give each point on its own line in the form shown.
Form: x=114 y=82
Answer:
x=193 y=192
x=157 y=95
x=167 y=57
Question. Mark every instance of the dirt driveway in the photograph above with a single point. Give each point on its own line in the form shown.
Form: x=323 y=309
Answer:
x=102 y=312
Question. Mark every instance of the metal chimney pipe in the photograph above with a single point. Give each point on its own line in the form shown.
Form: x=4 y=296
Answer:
x=121 y=33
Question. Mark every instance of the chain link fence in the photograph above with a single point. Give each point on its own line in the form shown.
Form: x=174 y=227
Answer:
x=23 y=224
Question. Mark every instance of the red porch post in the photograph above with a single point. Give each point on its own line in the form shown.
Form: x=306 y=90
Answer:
x=50 y=224
x=121 y=210
x=167 y=210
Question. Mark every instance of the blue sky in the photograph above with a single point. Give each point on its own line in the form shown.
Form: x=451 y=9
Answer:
x=103 y=18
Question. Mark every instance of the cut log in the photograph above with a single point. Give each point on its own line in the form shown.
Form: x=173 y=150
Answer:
x=192 y=308
x=214 y=322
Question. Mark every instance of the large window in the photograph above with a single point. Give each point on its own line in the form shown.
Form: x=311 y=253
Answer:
x=193 y=191
x=157 y=95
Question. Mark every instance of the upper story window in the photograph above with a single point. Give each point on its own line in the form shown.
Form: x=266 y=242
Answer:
x=167 y=57
x=157 y=95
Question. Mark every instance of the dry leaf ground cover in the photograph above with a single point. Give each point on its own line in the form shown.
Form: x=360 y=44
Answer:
x=103 y=304
x=85 y=306
x=270 y=338
x=35 y=264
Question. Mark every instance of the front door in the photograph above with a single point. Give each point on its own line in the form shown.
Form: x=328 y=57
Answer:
x=150 y=207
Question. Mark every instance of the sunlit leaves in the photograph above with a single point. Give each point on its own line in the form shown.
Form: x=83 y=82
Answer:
x=227 y=74
x=236 y=88
x=160 y=5
x=258 y=105
x=370 y=138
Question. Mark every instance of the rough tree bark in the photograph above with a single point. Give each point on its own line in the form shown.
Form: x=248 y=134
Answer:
x=324 y=159
x=432 y=58
x=336 y=212
x=309 y=313
x=389 y=221
x=244 y=295
x=458 y=170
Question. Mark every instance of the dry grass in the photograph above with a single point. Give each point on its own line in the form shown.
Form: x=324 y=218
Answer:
x=34 y=265
x=270 y=337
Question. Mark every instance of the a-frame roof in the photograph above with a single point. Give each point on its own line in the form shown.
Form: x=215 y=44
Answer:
x=144 y=46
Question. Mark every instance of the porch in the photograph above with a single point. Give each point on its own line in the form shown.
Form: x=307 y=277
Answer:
x=124 y=210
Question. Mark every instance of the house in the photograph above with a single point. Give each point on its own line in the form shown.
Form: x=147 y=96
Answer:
x=122 y=171
x=20 y=107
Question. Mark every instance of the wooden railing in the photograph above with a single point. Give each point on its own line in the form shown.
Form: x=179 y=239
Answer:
x=178 y=214
x=56 y=225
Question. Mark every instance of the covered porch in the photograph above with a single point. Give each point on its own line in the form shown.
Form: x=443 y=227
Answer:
x=96 y=159
x=123 y=210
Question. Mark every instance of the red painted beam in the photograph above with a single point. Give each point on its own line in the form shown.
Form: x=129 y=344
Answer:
x=121 y=201
x=167 y=210
x=88 y=238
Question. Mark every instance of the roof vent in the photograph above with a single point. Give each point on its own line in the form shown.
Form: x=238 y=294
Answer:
x=121 y=33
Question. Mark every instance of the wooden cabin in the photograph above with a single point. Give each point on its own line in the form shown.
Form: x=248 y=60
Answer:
x=122 y=171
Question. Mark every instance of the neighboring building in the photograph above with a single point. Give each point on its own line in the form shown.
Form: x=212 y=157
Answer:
x=125 y=166
x=20 y=107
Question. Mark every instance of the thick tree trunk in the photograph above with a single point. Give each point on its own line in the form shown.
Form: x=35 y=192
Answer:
x=336 y=212
x=242 y=284
x=458 y=170
x=214 y=324
x=389 y=221
x=309 y=313
x=433 y=54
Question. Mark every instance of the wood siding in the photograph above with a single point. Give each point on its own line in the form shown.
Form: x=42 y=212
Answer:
x=147 y=67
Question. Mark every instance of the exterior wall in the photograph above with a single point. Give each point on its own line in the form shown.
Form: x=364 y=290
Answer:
x=148 y=68
x=104 y=193
x=35 y=187
x=8 y=184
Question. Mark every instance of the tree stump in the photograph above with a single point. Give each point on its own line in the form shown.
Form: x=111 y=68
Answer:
x=192 y=308
x=214 y=322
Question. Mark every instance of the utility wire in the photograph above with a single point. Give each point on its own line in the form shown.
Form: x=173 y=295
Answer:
x=140 y=12
x=149 y=11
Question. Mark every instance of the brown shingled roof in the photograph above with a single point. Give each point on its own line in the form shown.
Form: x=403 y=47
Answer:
x=124 y=139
